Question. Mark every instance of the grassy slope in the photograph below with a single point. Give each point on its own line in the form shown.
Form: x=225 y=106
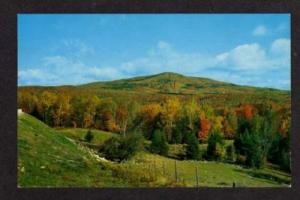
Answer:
x=79 y=133
x=212 y=174
x=47 y=158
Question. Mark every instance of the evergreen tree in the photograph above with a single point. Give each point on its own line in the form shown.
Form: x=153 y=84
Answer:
x=159 y=143
x=254 y=140
x=89 y=136
x=215 y=147
x=192 y=148
x=279 y=152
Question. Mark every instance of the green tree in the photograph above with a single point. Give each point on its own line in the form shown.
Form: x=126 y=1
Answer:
x=122 y=148
x=89 y=136
x=215 y=147
x=279 y=152
x=192 y=148
x=254 y=140
x=180 y=130
x=159 y=143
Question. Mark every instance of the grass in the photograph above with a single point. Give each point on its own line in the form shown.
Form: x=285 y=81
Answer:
x=49 y=158
x=213 y=174
x=79 y=133
x=46 y=158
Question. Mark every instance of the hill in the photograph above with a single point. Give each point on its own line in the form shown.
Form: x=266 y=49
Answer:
x=159 y=86
x=47 y=158
x=172 y=82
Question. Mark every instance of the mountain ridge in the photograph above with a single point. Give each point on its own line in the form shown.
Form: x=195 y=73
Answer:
x=160 y=77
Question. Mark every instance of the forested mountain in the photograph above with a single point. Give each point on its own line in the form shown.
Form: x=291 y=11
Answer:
x=172 y=108
x=164 y=85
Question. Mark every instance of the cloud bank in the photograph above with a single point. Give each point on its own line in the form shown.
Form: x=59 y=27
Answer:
x=245 y=64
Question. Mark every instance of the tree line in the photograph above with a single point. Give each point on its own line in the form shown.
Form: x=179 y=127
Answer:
x=260 y=131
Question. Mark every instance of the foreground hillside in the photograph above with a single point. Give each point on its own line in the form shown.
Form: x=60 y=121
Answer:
x=49 y=159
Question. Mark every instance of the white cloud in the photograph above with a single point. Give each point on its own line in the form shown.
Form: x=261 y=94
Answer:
x=222 y=57
x=260 y=30
x=248 y=64
x=59 y=70
x=244 y=57
x=281 y=46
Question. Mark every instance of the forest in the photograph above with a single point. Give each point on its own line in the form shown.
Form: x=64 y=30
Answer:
x=165 y=112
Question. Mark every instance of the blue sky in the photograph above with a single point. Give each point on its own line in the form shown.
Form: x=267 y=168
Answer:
x=246 y=49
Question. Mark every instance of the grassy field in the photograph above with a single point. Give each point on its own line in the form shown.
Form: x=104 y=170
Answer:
x=79 y=133
x=56 y=158
x=212 y=174
x=49 y=159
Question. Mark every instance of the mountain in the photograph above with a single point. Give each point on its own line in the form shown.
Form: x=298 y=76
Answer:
x=168 y=83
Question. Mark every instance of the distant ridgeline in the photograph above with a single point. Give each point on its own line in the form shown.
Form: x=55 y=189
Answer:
x=141 y=102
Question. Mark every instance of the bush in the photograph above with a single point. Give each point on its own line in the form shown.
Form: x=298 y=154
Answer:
x=121 y=148
x=192 y=148
x=230 y=153
x=240 y=159
x=159 y=143
x=89 y=136
x=215 y=147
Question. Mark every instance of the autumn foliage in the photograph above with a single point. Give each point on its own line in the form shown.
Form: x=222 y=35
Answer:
x=205 y=127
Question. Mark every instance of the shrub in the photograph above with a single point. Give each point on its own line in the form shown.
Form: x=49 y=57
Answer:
x=89 y=136
x=121 y=148
x=215 y=147
x=240 y=159
x=192 y=148
x=158 y=143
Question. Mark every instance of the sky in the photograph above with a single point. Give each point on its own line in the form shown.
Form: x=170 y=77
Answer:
x=63 y=49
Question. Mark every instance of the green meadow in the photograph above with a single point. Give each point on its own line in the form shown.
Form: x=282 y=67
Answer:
x=50 y=157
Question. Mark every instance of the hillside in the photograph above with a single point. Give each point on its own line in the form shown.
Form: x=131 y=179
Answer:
x=156 y=87
x=47 y=158
x=169 y=82
x=176 y=84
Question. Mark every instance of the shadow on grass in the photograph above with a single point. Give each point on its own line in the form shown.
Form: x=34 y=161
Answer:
x=265 y=176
